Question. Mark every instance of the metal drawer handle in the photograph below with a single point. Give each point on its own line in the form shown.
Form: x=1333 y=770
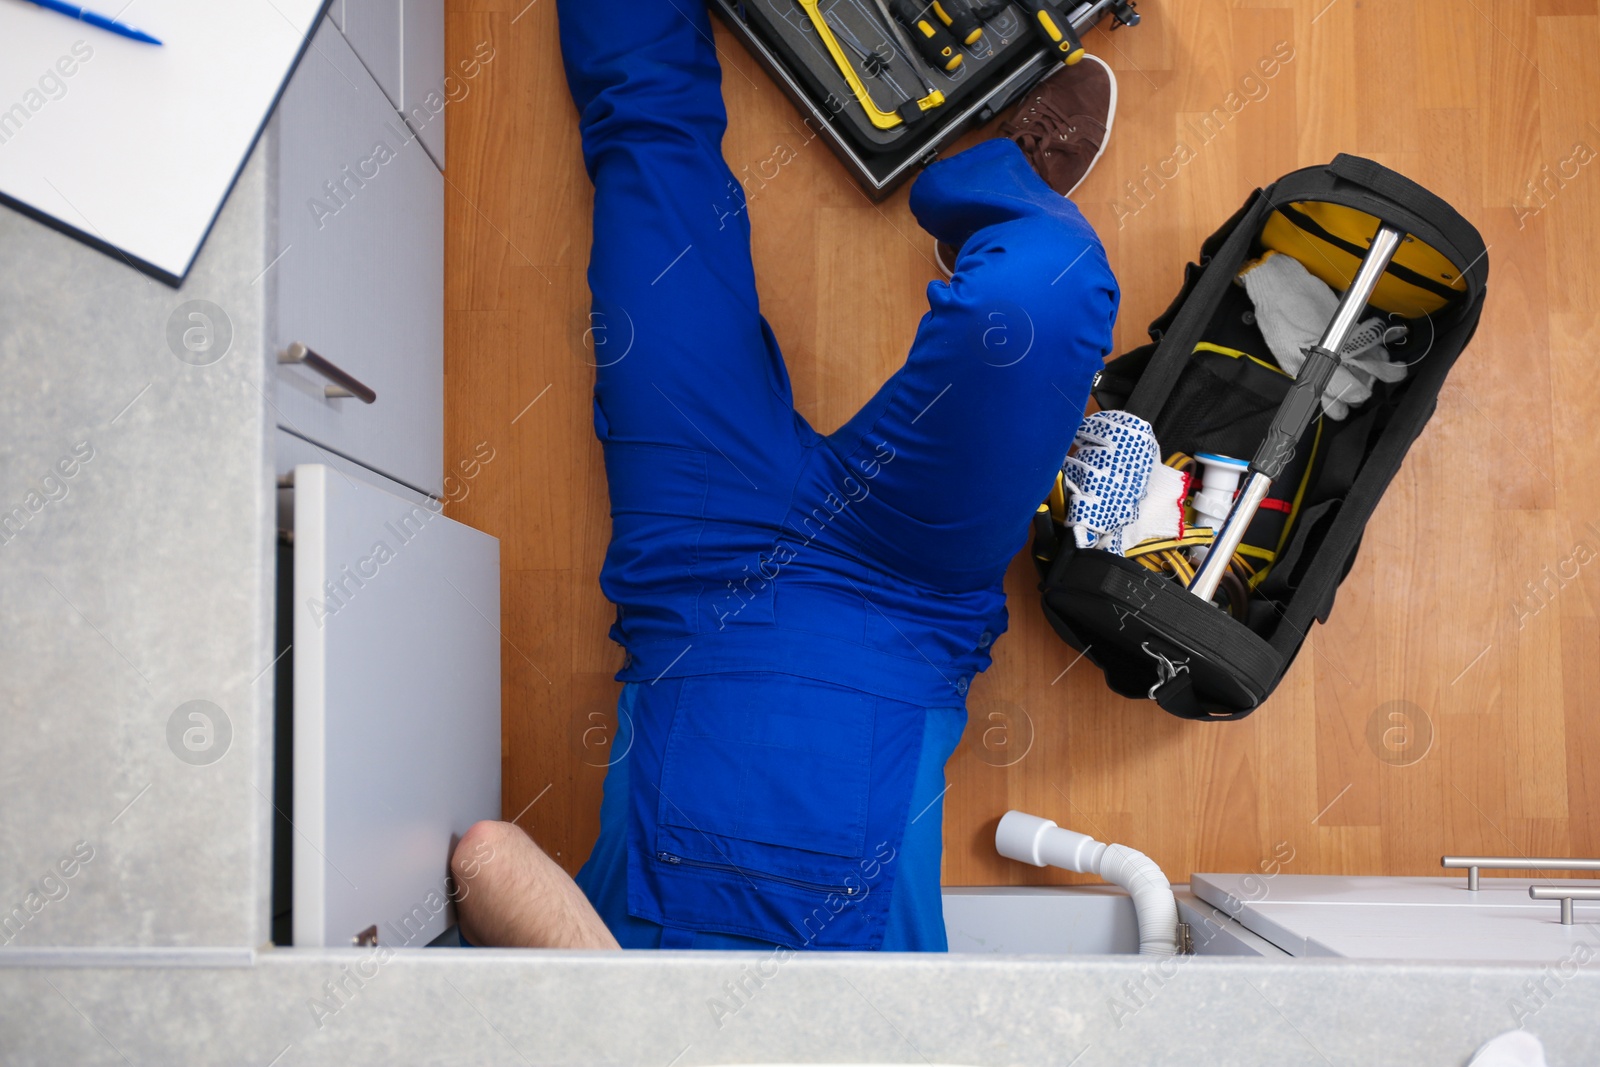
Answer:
x=1514 y=863
x=342 y=384
x=1566 y=896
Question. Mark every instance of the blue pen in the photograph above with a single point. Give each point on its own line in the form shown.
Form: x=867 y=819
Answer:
x=73 y=11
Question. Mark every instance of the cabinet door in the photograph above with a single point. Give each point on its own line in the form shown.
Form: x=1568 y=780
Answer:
x=396 y=707
x=360 y=274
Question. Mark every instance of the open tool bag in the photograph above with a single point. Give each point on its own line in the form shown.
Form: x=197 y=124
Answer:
x=1207 y=383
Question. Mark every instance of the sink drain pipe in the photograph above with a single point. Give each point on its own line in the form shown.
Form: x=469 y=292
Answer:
x=1041 y=842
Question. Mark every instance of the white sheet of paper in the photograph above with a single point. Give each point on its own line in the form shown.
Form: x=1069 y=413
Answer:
x=138 y=146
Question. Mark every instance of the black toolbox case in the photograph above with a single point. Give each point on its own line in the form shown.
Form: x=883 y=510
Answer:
x=1007 y=62
x=1149 y=635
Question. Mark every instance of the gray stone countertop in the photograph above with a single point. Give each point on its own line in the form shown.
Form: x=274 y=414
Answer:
x=490 y=1006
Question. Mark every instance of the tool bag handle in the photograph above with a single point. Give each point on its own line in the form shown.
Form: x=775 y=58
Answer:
x=1425 y=205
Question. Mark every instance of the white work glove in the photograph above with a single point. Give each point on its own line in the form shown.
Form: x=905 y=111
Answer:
x=1108 y=473
x=1292 y=310
x=1160 y=509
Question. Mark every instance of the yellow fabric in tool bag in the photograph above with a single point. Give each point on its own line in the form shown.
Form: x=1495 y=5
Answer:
x=1329 y=240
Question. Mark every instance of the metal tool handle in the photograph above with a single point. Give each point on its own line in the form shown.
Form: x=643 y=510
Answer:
x=343 y=384
x=1566 y=895
x=1299 y=407
x=1514 y=863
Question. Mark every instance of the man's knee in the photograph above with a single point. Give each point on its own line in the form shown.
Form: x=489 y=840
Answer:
x=475 y=853
x=1036 y=285
x=1034 y=260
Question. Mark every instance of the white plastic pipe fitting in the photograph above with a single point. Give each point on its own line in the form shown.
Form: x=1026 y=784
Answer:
x=1219 y=482
x=1030 y=839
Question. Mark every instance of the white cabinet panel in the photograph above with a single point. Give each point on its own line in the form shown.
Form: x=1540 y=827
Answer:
x=373 y=29
x=422 y=89
x=1409 y=918
x=396 y=707
x=1049 y=920
x=360 y=273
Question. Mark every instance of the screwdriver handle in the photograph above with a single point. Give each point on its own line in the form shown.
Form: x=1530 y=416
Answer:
x=1056 y=29
x=927 y=33
x=961 y=20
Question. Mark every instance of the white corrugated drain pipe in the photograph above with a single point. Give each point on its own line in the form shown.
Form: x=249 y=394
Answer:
x=1041 y=842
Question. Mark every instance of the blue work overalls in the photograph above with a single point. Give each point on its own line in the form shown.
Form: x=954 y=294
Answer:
x=802 y=613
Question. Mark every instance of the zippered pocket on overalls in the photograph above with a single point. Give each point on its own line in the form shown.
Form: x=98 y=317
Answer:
x=815 y=887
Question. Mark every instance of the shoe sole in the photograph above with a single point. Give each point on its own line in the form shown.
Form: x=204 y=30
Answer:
x=1111 y=118
x=948 y=269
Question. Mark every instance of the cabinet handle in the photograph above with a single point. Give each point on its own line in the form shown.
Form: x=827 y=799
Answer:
x=342 y=384
x=1513 y=863
x=1565 y=895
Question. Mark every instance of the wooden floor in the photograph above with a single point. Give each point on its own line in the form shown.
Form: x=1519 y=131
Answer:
x=1447 y=706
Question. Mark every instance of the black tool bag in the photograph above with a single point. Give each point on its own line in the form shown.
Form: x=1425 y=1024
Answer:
x=1151 y=637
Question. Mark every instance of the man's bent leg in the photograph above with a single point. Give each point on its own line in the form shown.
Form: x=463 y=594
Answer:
x=982 y=413
x=512 y=895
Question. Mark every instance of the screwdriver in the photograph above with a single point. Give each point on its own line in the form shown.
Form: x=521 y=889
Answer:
x=960 y=18
x=899 y=42
x=1053 y=25
x=932 y=40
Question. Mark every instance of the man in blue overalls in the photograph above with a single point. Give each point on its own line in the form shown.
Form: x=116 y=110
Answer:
x=802 y=613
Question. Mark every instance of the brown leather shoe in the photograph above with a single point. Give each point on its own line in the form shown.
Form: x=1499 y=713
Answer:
x=1062 y=126
x=1064 y=123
